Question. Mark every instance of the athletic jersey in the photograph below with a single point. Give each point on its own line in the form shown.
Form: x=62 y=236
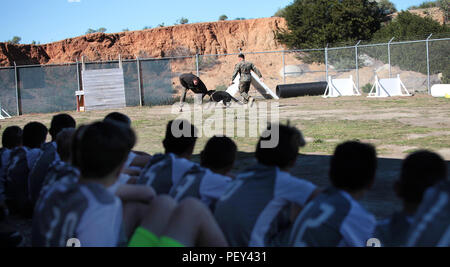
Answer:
x=333 y=219
x=16 y=179
x=87 y=212
x=255 y=209
x=163 y=171
x=4 y=156
x=431 y=227
x=201 y=183
x=392 y=232
x=58 y=171
x=39 y=170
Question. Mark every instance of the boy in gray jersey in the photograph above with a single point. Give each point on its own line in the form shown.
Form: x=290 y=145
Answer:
x=209 y=181
x=256 y=209
x=431 y=227
x=335 y=218
x=420 y=171
x=245 y=68
x=165 y=170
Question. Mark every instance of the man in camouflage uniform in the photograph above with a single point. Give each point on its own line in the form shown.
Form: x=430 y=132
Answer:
x=244 y=68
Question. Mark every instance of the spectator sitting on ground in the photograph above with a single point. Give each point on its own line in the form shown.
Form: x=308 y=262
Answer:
x=208 y=182
x=431 y=225
x=20 y=162
x=11 y=138
x=420 y=171
x=137 y=160
x=38 y=172
x=166 y=170
x=260 y=205
x=335 y=218
x=98 y=217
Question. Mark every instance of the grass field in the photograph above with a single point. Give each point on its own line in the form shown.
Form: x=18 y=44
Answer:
x=396 y=126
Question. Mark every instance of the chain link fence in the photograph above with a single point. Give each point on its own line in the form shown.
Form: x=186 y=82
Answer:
x=51 y=88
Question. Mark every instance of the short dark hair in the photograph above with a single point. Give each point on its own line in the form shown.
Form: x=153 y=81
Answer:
x=118 y=117
x=12 y=137
x=34 y=134
x=353 y=166
x=180 y=144
x=290 y=141
x=241 y=56
x=64 y=143
x=219 y=153
x=420 y=170
x=60 y=122
x=98 y=149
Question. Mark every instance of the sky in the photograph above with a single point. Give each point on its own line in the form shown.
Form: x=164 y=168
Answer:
x=46 y=21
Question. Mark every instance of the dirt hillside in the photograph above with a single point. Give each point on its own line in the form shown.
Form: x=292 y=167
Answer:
x=202 y=38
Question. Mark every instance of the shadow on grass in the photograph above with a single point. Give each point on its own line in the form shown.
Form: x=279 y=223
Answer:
x=380 y=200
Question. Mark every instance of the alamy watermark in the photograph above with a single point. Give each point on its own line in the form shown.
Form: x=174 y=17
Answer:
x=214 y=119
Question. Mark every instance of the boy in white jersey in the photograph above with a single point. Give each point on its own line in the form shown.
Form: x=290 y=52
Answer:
x=89 y=211
x=335 y=218
x=420 y=171
x=256 y=209
x=209 y=181
x=164 y=171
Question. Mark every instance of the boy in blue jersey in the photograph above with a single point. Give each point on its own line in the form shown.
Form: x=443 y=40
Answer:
x=20 y=162
x=420 y=171
x=165 y=170
x=256 y=209
x=335 y=218
x=38 y=172
x=11 y=138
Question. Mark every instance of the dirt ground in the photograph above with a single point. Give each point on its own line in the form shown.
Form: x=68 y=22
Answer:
x=396 y=126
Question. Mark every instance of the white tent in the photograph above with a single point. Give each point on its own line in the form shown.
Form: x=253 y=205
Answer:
x=388 y=88
x=341 y=87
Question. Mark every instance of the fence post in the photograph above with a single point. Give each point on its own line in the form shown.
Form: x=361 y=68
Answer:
x=138 y=65
x=16 y=75
x=326 y=61
x=196 y=64
x=389 y=56
x=428 y=64
x=357 y=64
x=284 y=67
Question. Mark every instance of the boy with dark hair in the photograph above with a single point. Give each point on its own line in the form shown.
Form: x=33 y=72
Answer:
x=21 y=160
x=95 y=214
x=335 y=218
x=256 y=208
x=431 y=224
x=137 y=160
x=420 y=171
x=38 y=172
x=11 y=138
x=164 y=171
x=208 y=182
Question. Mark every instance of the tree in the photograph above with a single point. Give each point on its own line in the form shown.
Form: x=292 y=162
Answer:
x=408 y=26
x=280 y=12
x=223 y=17
x=182 y=20
x=387 y=7
x=147 y=27
x=126 y=30
x=316 y=23
x=161 y=25
x=15 y=40
x=102 y=30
